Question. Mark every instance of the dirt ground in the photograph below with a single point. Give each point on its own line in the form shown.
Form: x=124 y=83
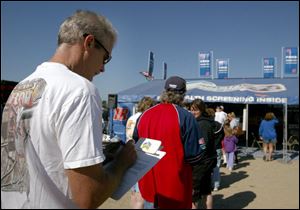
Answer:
x=253 y=184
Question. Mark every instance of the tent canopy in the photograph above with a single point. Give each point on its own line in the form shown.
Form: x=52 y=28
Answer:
x=233 y=90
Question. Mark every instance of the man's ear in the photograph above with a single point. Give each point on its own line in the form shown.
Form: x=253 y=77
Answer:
x=89 y=42
x=91 y=45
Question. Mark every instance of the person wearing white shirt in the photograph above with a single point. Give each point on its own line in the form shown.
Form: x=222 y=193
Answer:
x=220 y=115
x=136 y=199
x=51 y=132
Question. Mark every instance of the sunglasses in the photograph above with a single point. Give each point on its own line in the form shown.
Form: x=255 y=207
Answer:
x=108 y=56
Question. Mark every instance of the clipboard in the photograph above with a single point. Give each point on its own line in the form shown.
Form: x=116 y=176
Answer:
x=145 y=161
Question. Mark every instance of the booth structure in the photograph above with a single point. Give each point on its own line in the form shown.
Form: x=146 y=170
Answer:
x=281 y=93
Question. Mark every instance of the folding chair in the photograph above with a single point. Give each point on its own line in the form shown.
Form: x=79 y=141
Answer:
x=292 y=142
x=256 y=141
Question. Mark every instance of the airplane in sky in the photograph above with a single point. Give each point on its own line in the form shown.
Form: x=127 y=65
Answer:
x=147 y=75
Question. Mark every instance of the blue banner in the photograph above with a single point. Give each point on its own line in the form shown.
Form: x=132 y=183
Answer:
x=222 y=68
x=205 y=64
x=150 y=63
x=269 y=67
x=164 y=70
x=290 y=61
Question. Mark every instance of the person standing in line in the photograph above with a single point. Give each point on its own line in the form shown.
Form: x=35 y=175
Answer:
x=221 y=117
x=169 y=183
x=51 y=133
x=218 y=137
x=145 y=103
x=235 y=125
x=230 y=142
x=137 y=201
x=202 y=172
x=233 y=121
x=267 y=133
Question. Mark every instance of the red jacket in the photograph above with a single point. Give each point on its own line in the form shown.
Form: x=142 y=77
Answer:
x=169 y=183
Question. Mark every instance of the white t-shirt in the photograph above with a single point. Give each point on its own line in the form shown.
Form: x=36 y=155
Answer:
x=234 y=122
x=51 y=122
x=220 y=117
x=130 y=125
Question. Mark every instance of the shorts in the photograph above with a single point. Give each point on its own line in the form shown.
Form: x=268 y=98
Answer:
x=148 y=205
x=202 y=178
x=268 y=141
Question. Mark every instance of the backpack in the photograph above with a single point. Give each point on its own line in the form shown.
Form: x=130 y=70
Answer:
x=218 y=133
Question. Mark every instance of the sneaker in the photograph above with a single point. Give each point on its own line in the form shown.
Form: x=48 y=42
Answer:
x=216 y=189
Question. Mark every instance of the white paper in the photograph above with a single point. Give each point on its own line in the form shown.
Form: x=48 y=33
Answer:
x=150 y=145
x=145 y=161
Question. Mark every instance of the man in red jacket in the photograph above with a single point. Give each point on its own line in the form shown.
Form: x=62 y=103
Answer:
x=169 y=183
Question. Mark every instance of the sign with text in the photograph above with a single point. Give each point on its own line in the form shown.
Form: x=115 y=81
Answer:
x=222 y=68
x=290 y=61
x=205 y=64
x=269 y=67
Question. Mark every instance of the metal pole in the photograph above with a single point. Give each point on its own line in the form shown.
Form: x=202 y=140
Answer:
x=212 y=65
x=282 y=62
x=111 y=122
x=247 y=120
x=285 y=157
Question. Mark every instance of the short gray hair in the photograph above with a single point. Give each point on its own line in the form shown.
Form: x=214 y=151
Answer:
x=83 y=22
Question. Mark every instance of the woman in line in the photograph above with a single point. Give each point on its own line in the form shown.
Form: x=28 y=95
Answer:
x=202 y=172
x=230 y=141
x=268 y=134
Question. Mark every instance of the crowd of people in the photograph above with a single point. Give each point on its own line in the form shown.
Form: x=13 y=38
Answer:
x=214 y=131
x=51 y=136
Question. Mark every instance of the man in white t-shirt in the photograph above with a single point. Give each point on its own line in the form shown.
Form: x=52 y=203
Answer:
x=51 y=133
x=220 y=115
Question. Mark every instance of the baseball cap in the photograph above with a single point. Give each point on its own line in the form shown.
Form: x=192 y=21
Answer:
x=222 y=107
x=176 y=84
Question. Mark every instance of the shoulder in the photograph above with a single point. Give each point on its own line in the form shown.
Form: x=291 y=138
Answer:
x=59 y=76
x=134 y=117
x=183 y=113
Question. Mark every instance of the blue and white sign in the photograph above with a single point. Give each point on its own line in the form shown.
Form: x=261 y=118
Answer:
x=269 y=67
x=222 y=68
x=205 y=64
x=290 y=61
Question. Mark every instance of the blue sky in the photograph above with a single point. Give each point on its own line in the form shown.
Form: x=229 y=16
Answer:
x=176 y=32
